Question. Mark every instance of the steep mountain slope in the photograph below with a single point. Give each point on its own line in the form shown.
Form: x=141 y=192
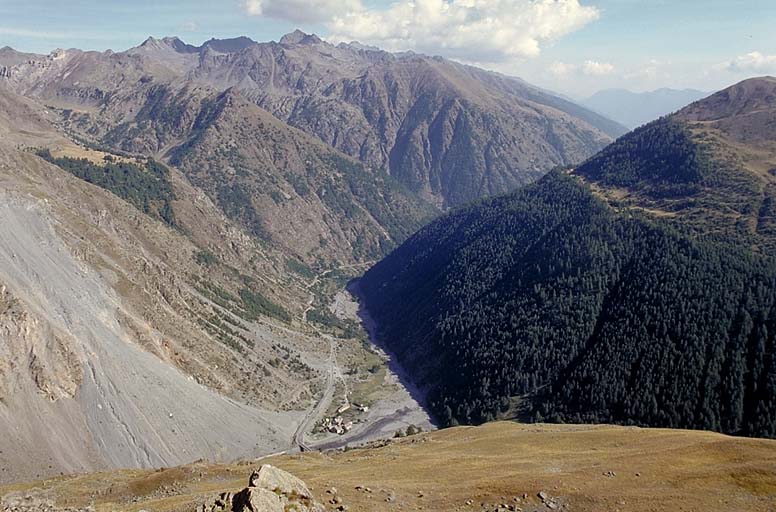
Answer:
x=126 y=341
x=282 y=185
x=448 y=132
x=141 y=303
x=639 y=289
x=633 y=109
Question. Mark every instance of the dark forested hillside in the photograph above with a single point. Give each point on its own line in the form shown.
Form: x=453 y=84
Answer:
x=618 y=293
x=600 y=317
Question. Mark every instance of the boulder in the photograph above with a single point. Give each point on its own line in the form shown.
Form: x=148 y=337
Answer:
x=269 y=490
x=274 y=479
x=256 y=499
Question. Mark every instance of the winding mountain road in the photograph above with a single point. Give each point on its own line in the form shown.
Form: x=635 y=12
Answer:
x=323 y=404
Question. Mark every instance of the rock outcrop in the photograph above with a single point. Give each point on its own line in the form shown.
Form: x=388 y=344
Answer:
x=30 y=503
x=269 y=490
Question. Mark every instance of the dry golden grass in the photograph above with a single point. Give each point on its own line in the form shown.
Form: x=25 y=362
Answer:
x=654 y=470
x=624 y=199
x=93 y=155
x=758 y=156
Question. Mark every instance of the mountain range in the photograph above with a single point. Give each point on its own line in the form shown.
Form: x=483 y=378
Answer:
x=179 y=223
x=633 y=109
x=449 y=133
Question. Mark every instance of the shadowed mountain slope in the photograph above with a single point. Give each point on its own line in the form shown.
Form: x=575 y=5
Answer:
x=639 y=289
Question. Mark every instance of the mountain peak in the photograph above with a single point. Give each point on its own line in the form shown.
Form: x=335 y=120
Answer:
x=746 y=97
x=355 y=45
x=299 y=37
x=167 y=43
x=232 y=45
x=150 y=41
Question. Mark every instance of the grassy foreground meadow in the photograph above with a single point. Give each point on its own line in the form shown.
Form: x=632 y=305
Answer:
x=526 y=467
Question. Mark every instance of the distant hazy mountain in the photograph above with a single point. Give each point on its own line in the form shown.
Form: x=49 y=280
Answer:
x=633 y=109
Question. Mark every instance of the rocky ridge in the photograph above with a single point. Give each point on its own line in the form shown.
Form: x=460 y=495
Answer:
x=448 y=132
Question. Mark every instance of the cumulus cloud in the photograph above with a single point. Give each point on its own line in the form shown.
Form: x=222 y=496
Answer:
x=474 y=30
x=751 y=62
x=301 y=11
x=589 y=68
x=595 y=68
x=488 y=31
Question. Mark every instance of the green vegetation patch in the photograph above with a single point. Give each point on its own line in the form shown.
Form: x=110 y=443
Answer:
x=206 y=258
x=255 y=304
x=146 y=186
x=299 y=268
x=250 y=305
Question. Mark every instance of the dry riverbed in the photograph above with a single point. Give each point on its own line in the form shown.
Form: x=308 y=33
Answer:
x=392 y=407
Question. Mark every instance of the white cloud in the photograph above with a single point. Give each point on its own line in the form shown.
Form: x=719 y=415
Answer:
x=301 y=11
x=562 y=69
x=473 y=30
x=751 y=62
x=595 y=68
x=486 y=31
x=589 y=68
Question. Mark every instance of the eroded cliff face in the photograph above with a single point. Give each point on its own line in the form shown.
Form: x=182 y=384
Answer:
x=79 y=388
x=30 y=348
x=108 y=357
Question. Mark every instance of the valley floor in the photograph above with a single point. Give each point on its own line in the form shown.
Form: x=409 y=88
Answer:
x=579 y=468
x=129 y=408
x=395 y=404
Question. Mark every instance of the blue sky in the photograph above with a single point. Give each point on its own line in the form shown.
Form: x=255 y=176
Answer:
x=572 y=46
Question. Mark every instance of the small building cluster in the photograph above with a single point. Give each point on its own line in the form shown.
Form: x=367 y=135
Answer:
x=342 y=421
x=336 y=425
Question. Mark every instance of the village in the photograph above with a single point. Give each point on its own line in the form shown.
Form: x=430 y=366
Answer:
x=342 y=421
